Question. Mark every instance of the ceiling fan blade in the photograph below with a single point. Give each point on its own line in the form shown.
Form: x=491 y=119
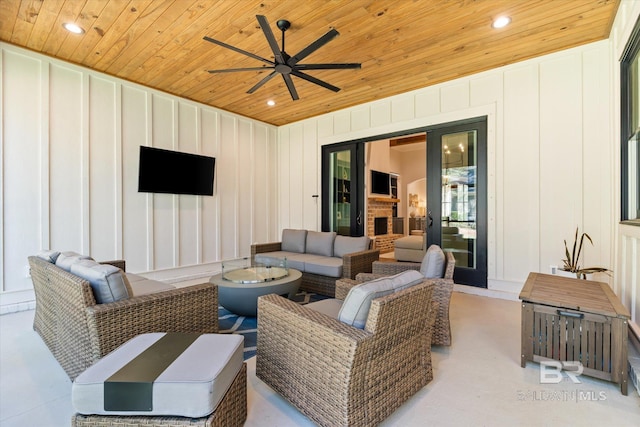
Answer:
x=330 y=35
x=235 y=49
x=231 y=70
x=263 y=81
x=290 y=86
x=314 y=80
x=273 y=43
x=327 y=66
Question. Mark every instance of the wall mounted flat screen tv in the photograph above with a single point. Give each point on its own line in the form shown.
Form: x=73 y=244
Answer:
x=379 y=182
x=166 y=171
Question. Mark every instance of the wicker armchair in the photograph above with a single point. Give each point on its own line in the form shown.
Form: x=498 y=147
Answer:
x=441 y=292
x=78 y=331
x=336 y=374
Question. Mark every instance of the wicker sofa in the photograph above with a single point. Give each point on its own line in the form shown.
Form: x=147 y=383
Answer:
x=79 y=331
x=340 y=375
x=322 y=257
x=443 y=288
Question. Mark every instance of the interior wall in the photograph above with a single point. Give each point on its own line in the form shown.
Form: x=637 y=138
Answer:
x=70 y=146
x=549 y=125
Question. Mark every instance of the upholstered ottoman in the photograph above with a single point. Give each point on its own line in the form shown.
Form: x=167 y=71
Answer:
x=409 y=248
x=165 y=379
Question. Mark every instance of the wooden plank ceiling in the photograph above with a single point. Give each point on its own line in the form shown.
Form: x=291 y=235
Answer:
x=401 y=44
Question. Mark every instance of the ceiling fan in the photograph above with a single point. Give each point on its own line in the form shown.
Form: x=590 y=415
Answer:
x=285 y=64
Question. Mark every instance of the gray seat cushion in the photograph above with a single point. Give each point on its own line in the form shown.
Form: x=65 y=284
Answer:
x=142 y=286
x=330 y=306
x=192 y=386
x=323 y=265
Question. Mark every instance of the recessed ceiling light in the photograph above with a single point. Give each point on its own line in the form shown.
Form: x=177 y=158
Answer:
x=501 y=22
x=271 y=102
x=73 y=28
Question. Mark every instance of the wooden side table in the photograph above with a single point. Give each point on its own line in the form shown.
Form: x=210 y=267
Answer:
x=567 y=319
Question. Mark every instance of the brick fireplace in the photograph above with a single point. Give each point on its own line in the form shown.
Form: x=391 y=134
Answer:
x=378 y=208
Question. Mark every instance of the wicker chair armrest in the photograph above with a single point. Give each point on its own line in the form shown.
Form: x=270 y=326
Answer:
x=359 y=262
x=451 y=265
x=120 y=263
x=189 y=309
x=365 y=277
x=343 y=286
x=305 y=330
x=258 y=248
x=391 y=268
x=406 y=308
x=442 y=289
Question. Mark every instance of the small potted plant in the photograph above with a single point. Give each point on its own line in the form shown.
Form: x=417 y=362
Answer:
x=572 y=260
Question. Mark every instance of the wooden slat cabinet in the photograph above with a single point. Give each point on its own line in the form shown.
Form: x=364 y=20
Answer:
x=567 y=319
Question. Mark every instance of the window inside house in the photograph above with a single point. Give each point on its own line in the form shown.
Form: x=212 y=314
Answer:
x=630 y=128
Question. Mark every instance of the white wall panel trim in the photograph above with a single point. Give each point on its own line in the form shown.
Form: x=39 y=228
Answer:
x=175 y=202
x=199 y=202
x=149 y=196
x=45 y=218
x=118 y=244
x=2 y=130
x=216 y=188
x=84 y=166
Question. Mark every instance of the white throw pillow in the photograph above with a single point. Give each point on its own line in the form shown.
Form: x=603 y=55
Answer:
x=355 y=309
x=433 y=263
x=106 y=280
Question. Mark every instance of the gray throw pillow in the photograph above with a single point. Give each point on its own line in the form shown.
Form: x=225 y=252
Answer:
x=294 y=240
x=49 y=256
x=106 y=280
x=66 y=259
x=320 y=243
x=347 y=245
x=433 y=263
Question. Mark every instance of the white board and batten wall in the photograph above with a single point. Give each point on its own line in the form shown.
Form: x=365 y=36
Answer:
x=553 y=159
x=70 y=149
x=70 y=140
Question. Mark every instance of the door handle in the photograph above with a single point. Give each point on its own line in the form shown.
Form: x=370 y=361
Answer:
x=430 y=219
x=359 y=218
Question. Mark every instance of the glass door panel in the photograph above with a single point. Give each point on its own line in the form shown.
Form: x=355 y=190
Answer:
x=458 y=231
x=457 y=197
x=340 y=197
x=342 y=194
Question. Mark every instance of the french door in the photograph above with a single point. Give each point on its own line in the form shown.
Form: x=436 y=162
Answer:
x=457 y=196
x=342 y=189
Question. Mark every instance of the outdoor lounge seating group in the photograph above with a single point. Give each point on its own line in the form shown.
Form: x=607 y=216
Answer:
x=351 y=359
